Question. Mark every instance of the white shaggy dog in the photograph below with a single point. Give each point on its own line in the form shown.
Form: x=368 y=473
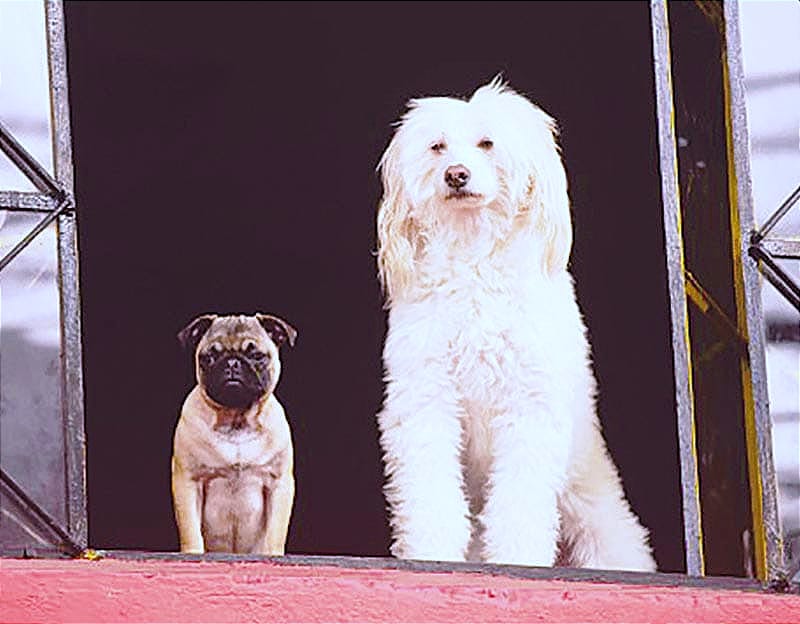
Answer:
x=492 y=446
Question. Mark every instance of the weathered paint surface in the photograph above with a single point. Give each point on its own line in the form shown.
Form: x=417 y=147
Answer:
x=187 y=591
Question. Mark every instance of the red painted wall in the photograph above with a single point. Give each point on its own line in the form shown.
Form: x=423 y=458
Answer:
x=182 y=591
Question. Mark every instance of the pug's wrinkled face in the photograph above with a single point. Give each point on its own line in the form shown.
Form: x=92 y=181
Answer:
x=236 y=357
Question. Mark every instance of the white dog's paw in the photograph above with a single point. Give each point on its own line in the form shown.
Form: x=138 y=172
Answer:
x=521 y=533
x=434 y=545
x=441 y=552
x=434 y=540
x=538 y=553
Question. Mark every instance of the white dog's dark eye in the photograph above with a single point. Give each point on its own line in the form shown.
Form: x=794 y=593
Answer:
x=486 y=144
x=438 y=147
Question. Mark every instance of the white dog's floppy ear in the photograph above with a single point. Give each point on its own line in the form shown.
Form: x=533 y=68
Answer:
x=537 y=171
x=547 y=183
x=396 y=230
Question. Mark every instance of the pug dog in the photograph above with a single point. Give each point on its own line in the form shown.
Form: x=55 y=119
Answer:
x=232 y=463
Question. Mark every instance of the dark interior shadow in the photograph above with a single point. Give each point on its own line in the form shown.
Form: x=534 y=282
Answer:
x=225 y=162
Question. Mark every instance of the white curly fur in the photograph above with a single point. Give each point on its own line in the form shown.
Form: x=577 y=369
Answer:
x=492 y=447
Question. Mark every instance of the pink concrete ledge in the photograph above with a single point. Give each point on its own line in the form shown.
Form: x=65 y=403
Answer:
x=114 y=590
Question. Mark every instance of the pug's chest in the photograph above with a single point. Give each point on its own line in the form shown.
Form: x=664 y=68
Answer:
x=234 y=510
x=236 y=480
x=240 y=461
x=234 y=493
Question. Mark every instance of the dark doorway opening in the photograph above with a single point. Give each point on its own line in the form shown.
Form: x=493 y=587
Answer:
x=225 y=161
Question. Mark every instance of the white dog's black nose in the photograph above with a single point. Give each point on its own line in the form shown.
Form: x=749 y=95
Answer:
x=456 y=176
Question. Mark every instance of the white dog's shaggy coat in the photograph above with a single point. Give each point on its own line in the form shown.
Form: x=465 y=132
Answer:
x=492 y=447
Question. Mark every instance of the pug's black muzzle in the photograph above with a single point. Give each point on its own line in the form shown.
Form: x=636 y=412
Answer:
x=232 y=380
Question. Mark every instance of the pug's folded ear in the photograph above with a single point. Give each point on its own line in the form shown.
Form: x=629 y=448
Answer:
x=190 y=336
x=279 y=330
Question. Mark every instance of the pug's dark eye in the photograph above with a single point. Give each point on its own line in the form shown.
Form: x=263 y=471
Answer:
x=254 y=354
x=486 y=144
x=438 y=147
x=210 y=354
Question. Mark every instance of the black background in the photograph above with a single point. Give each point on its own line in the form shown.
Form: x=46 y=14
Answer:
x=225 y=161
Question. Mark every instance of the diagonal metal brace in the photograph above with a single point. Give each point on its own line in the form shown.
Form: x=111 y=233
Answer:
x=72 y=547
x=701 y=298
x=65 y=204
x=776 y=276
x=26 y=163
x=770 y=223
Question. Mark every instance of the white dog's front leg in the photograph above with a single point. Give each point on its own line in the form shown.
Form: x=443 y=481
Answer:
x=421 y=440
x=520 y=517
x=598 y=526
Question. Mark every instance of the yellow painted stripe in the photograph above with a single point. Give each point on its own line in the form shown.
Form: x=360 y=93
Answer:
x=751 y=439
x=686 y=338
